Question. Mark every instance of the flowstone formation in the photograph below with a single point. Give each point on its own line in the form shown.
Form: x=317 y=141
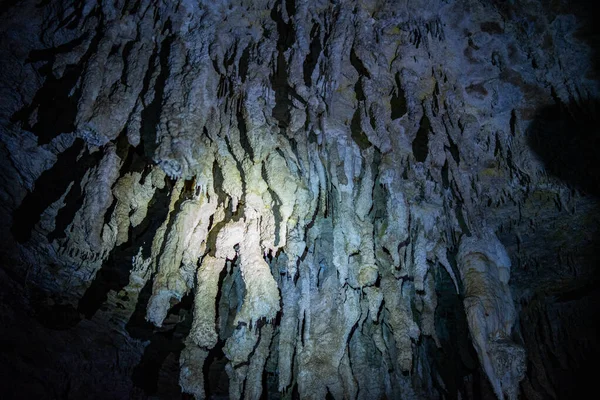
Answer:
x=311 y=173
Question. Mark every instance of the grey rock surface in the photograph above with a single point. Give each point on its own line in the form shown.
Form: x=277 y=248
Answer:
x=250 y=199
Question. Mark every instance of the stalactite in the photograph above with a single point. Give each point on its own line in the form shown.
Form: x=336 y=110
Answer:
x=485 y=270
x=339 y=157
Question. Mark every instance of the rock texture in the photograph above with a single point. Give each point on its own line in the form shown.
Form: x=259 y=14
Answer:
x=293 y=198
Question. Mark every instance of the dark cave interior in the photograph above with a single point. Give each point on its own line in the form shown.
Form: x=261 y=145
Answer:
x=296 y=199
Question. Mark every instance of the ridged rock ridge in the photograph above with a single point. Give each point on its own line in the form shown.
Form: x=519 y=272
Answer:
x=309 y=171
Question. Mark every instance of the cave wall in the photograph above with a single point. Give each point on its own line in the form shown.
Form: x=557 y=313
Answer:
x=297 y=198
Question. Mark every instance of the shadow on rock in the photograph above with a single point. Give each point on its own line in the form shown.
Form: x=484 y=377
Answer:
x=559 y=323
x=567 y=139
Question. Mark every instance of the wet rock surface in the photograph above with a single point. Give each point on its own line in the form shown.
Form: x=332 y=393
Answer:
x=298 y=199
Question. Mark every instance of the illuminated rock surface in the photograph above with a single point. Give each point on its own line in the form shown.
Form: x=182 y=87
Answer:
x=266 y=199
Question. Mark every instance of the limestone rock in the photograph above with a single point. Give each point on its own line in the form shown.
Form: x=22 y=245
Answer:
x=292 y=198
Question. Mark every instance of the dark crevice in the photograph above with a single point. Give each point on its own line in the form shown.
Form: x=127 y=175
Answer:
x=74 y=199
x=72 y=20
x=151 y=112
x=276 y=208
x=48 y=188
x=350 y=335
x=244 y=140
x=264 y=395
x=238 y=164
x=398 y=101
x=435 y=106
x=358 y=90
x=218 y=183
x=453 y=148
x=222 y=276
x=456 y=360
x=445 y=178
x=279 y=80
x=513 y=123
x=302 y=328
x=135 y=8
x=137 y=326
x=211 y=240
x=56 y=108
x=259 y=324
x=126 y=7
x=243 y=64
x=290 y=7
x=216 y=381
x=310 y=62
x=114 y=50
x=359 y=137
x=221 y=87
x=329 y=396
x=55 y=103
x=149 y=73
x=109 y=211
x=126 y=62
x=114 y=273
x=229 y=61
x=134 y=161
x=358 y=64
x=372 y=118
x=420 y=144
x=461 y=219
x=497 y=146
x=164 y=342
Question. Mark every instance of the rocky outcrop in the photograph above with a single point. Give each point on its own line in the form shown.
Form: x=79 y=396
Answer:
x=319 y=176
x=485 y=271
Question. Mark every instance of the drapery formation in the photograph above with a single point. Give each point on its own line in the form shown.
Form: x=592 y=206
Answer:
x=309 y=171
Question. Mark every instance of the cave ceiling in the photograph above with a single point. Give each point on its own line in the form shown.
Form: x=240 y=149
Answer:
x=298 y=199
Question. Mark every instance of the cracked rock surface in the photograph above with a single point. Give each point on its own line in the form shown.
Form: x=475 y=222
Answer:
x=283 y=199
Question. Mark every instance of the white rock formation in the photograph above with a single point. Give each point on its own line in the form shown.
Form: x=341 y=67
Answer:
x=308 y=170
